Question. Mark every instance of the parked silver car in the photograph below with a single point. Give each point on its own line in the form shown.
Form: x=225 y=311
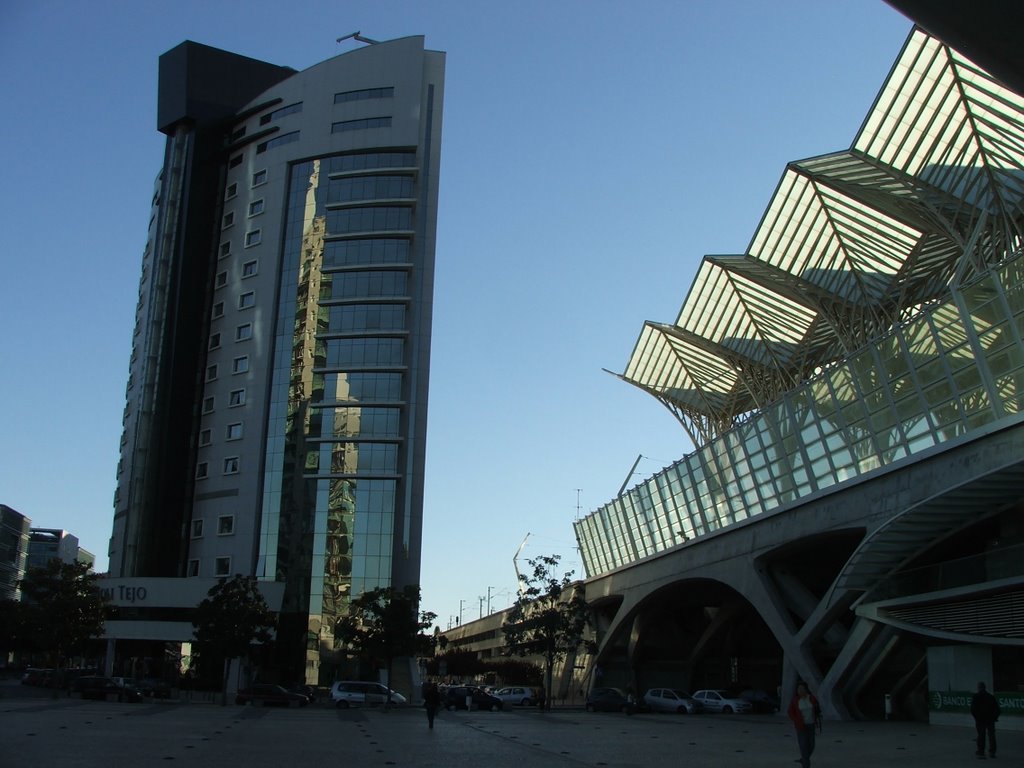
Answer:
x=516 y=695
x=721 y=700
x=671 y=700
x=358 y=693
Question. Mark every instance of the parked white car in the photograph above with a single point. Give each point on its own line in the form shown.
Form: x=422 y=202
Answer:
x=670 y=700
x=516 y=695
x=357 y=693
x=721 y=700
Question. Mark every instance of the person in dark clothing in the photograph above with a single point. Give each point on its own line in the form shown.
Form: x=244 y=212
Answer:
x=985 y=711
x=805 y=712
x=432 y=701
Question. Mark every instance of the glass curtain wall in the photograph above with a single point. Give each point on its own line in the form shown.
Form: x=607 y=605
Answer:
x=334 y=431
x=954 y=368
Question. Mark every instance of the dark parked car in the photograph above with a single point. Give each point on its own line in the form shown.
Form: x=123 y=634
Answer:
x=608 y=700
x=266 y=694
x=760 y=700
x=305 y=690
x=35 y=676
x=156 y=689
x=454 y=697
x=104 y=688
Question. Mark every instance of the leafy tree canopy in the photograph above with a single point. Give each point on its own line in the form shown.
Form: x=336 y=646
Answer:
x=62 y=608
x=232 y=617
x=550 y=616
x=385 y=624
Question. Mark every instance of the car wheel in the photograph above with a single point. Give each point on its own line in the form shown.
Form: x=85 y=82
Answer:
x=590 y=707
x=727 y=710
x=341 y=704
x=524 y=703
x=494 y=707
x=682 y=710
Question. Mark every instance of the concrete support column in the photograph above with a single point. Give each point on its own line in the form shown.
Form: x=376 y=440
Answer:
x=861 y=654
x=108 y=659
x=797 y=662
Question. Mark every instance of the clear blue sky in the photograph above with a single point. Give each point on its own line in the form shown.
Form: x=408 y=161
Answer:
x=593 y=152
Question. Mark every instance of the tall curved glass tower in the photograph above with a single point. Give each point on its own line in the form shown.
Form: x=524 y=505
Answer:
x=277 y=398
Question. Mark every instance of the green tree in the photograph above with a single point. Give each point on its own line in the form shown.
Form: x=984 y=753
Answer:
x=62 y=608
x=549 y=618
x=385 y=624
x=10 y=627
x=232 y=618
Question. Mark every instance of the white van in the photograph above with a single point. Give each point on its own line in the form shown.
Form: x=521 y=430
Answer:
x=355 y=693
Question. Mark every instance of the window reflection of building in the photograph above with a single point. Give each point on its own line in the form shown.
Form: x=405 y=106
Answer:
x=336 y=508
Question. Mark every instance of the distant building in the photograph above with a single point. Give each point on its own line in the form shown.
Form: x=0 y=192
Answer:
x=276 y=408
x=14 y=533
x=46 y=544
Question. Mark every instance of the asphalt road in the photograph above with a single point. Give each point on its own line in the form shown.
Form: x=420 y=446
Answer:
x=44 y=732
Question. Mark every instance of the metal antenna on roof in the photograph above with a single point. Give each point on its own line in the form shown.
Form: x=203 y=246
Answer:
x=632 y=471
x=357 y=36
x=520 y=582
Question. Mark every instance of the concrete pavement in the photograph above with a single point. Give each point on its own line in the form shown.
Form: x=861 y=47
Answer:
x=71 y=733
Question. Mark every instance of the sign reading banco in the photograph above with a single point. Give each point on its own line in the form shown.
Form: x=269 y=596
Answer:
x=1011 y=704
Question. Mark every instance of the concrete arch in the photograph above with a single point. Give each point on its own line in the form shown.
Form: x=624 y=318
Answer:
x=688 y=633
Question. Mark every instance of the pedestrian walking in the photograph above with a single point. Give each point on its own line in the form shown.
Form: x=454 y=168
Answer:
x=805 y=712
x=985 y=711
x=431 y=701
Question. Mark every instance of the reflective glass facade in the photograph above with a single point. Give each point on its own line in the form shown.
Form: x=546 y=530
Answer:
x=338 y=417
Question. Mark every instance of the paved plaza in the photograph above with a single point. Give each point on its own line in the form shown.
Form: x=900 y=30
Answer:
x=57 y=733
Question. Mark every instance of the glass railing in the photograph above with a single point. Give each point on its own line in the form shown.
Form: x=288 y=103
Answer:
x=1004 y=563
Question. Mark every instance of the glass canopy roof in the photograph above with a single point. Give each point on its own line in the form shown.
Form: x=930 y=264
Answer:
x=852 y=243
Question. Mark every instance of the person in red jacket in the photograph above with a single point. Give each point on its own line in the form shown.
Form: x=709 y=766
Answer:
x=805 y=712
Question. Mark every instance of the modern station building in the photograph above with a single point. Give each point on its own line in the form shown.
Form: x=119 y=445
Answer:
x=276 y=403
x=853 y=513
